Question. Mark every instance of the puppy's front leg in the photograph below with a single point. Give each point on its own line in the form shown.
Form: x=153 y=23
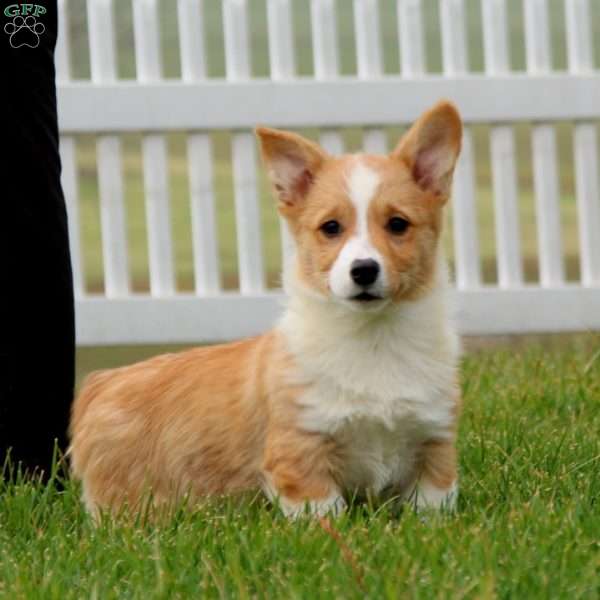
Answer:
x=298 y=473
x=437 y=486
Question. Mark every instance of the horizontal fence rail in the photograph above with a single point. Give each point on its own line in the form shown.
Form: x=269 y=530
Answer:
x=173 y=238
x=127 y=106
x=189 y=319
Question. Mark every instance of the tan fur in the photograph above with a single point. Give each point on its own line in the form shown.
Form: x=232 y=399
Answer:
x=221 y=419
x=404 y=192
x=438 y=463
x=176 y=423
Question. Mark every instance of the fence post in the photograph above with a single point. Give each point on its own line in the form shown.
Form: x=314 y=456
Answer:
x=464 y=206
x=410 y=29
x=504 y=175
x=68 y=154
x=108 y=149
x=283 y=68
x=579 y=46
x=200 y=163
x=154 y=151
x=369 y=61
x=326 y=59
x=248 y=224
x=545 y=167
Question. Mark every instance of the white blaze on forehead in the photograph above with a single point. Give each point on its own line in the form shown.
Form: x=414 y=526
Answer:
x=361 y=186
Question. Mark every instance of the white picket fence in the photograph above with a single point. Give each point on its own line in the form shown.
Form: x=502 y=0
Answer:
x=197 y=104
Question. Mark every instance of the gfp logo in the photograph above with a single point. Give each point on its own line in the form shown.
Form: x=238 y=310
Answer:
x=24 y=29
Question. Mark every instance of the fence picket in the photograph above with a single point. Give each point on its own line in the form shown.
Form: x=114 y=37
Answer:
x=154 y=152
x=410 y=28
x=368 y=53
x=63 y=44
x=545 y=167
x=326 y=59
x=580 y=58
x=502 y=143
x=108 y=151
x=454 y=47
x=69 y=183
x=464 y=205
x=199 y=149
x=237 y=60
x=282 y=59
x=283 y=68
x=68 y=155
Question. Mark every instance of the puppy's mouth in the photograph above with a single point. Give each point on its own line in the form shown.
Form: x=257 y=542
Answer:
x=366 y=297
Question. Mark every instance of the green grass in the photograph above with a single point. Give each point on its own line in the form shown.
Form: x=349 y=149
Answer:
x=528 y=518
x=527 y=523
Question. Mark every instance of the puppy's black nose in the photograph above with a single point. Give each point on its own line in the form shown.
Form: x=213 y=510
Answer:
x=364 y=271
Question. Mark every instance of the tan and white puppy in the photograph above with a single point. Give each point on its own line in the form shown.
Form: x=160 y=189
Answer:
x=355 y=389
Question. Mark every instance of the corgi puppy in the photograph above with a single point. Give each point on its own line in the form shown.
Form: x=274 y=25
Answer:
x=354 y=392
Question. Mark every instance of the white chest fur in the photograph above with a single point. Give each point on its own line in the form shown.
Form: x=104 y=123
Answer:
x=380 y=384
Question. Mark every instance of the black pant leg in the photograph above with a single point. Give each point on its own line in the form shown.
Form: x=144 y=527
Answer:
x=37 y=339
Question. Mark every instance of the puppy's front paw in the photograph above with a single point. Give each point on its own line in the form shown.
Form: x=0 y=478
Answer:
x=428 y=496
x=333 y=506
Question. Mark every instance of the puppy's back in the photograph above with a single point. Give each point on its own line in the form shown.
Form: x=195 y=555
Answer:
x=173 y=421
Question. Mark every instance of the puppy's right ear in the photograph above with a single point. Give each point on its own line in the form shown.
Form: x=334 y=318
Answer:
x=292 y=164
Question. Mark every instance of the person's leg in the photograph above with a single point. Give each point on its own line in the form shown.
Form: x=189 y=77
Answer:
x=37 y=345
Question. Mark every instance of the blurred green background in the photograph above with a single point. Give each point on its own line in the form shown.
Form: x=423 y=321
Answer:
x=178 y=169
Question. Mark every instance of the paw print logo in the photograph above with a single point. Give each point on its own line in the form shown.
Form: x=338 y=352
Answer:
x=24 y=31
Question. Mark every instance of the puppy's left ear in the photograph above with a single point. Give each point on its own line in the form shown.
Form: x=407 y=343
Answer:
x=430 y=148
x=292 y=163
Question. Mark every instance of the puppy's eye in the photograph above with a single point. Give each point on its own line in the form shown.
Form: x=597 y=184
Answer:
x=331 y=228
x=397 y=225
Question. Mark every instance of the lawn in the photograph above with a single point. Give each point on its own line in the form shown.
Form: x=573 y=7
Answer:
x=527 y=523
